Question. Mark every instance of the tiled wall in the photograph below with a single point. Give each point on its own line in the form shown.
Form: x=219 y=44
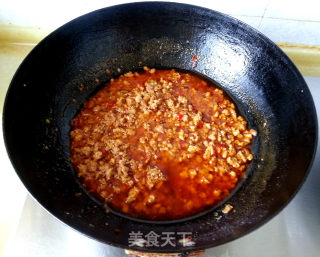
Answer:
x=295 y=21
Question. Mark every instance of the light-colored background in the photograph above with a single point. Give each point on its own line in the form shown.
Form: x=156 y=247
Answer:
x=295 y=22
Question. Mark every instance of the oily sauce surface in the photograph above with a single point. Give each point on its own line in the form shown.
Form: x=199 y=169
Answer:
x=160 y=145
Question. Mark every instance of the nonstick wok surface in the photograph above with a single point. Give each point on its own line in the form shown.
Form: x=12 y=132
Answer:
x=69 y=66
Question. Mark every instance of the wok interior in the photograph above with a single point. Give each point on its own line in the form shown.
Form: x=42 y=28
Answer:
x=269 y=92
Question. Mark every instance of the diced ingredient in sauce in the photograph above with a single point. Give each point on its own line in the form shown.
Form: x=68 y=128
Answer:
x=160 y=145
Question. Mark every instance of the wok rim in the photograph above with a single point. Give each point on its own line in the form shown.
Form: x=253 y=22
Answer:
x=62 y=219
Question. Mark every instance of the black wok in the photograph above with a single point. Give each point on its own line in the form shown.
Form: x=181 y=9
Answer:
x=45 y=94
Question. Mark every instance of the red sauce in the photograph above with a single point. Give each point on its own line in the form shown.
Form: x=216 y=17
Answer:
x=160 y=145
